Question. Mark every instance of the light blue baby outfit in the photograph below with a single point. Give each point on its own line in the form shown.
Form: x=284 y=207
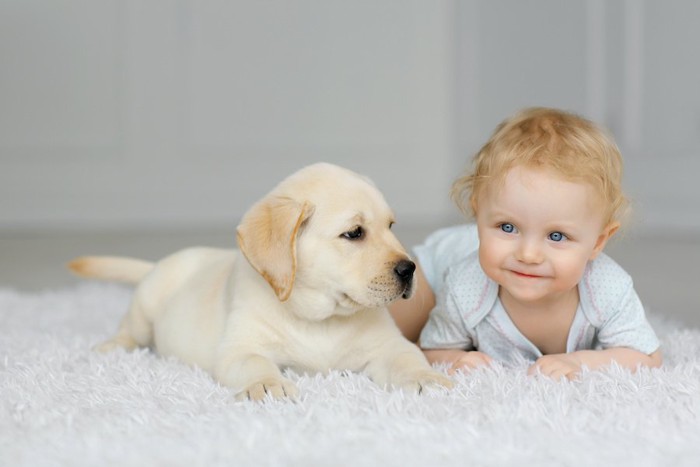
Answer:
x=469 y=315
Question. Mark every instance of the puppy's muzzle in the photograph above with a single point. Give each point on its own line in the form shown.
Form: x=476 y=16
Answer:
x=404 y=270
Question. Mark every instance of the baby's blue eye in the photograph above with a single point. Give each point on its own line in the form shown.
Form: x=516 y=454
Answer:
x=557 y=236
x=508 y=228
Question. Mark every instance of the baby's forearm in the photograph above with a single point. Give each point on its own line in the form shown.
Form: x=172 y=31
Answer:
x=627 y=358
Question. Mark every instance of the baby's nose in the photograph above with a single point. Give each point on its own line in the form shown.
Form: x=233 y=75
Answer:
x=530 y=252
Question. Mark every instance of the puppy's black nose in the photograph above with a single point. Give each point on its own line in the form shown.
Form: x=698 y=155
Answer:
x=404 y=269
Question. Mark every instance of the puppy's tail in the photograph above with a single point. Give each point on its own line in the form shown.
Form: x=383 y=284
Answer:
x=113 y=268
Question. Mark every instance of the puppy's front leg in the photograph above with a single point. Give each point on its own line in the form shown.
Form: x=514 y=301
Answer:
x=253 y=376
x=403 y=366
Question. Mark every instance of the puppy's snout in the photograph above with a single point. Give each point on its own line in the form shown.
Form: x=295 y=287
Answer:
x=404 y=270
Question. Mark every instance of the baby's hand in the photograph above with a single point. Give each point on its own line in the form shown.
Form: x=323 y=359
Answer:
x=457 y=359
x=557 y=366
x=469 y=360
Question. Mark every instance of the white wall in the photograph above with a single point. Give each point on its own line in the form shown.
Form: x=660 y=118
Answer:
x=131 y=113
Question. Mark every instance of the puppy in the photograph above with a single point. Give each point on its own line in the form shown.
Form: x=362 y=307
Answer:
x=308 y=289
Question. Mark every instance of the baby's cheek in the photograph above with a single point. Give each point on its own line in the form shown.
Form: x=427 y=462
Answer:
x=489 y=258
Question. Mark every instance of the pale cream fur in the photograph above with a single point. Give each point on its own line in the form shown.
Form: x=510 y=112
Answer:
x=301 y=295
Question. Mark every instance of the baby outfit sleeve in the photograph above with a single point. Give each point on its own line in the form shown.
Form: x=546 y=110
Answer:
x=445 y=328
x=612 y=302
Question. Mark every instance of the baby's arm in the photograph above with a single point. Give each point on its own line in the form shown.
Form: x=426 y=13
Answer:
x=569 y=365
x=433 y=257
x=457 y=359
x=412 y=314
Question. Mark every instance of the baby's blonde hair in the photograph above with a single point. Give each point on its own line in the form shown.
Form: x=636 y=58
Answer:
x=542 y=138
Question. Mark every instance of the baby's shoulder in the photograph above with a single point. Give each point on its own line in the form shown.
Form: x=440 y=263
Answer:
x=452 y=243
x=603 y=287
x=443 y=249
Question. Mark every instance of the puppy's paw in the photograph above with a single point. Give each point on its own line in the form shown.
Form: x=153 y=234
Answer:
x=419 y=381
x=277 y=388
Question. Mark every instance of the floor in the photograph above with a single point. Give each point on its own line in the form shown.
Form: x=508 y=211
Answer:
x=666 y=269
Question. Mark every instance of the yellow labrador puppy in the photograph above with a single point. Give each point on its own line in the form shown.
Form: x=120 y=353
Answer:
x=319 y=264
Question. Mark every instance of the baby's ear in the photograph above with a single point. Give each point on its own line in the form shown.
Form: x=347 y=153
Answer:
x=603 y=238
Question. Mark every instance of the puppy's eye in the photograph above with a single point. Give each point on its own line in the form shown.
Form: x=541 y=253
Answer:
x=391 y=224
x=354 y=234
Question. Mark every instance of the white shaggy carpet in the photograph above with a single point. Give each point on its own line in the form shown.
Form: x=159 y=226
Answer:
x=61 y=404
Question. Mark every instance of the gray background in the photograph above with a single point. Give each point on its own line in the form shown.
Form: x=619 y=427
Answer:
x=134 y=127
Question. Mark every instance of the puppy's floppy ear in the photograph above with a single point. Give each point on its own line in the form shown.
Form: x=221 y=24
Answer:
x=267 y=236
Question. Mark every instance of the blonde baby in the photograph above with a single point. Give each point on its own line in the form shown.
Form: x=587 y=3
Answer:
x=530 y=280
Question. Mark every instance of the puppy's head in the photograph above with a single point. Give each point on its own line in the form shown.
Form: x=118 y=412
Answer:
x=322 y=238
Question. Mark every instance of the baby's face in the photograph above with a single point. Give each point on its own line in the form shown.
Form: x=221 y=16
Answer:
x=537 y=232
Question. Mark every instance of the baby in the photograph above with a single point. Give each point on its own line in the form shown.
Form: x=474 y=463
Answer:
x=529 y=280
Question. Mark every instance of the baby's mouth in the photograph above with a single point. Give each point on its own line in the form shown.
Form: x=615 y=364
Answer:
x=526 y=275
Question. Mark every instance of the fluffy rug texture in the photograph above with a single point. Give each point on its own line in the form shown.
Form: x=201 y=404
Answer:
x=62 y=404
